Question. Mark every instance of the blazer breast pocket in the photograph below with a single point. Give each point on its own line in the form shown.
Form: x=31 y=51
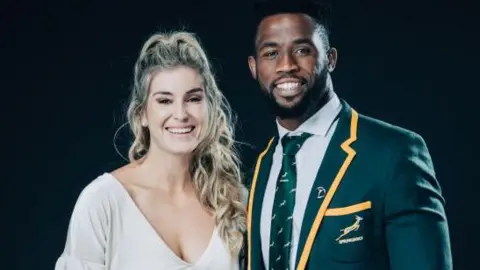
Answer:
x=349 y=231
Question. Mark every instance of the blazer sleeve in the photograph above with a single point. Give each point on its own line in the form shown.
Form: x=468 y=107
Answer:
x=86 y=242
x=417 y=234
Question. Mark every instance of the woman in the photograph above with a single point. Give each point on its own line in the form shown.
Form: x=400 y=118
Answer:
x=179 y=203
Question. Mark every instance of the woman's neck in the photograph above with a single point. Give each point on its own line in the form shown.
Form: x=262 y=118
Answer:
x=166 y=171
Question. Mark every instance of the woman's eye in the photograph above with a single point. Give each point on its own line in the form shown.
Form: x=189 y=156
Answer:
x=195 y=99
x=163 y=101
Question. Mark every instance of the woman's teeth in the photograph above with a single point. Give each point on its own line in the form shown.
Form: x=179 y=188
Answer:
x=180 y=130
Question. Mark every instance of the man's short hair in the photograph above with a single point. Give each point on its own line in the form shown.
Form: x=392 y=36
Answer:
x=318 y=10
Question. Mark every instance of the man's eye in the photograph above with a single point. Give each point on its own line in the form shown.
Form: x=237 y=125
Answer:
x=303 y=51
x=270 y=54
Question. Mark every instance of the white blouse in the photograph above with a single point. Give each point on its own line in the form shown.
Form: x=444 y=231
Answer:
x=108 y=231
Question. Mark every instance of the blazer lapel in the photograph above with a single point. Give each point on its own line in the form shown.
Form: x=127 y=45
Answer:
x=337 y=158
x=257 y=191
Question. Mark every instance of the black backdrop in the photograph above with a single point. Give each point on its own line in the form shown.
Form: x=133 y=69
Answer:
x=68 y=70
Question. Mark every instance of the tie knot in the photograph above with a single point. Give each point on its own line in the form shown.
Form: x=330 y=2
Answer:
x=291 y=144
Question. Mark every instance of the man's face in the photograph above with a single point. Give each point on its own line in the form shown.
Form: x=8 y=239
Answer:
x=291 y=65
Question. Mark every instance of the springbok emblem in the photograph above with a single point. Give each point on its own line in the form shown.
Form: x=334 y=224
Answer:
x=355 y=226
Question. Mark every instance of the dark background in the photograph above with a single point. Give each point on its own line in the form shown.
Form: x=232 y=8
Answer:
x=69 y=67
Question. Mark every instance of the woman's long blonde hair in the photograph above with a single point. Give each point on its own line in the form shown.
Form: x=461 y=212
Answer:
x=215 y=167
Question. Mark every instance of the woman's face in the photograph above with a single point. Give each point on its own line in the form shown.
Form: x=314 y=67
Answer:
x=176 y=110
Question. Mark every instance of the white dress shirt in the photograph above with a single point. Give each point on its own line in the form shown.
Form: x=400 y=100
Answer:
x=322 y=125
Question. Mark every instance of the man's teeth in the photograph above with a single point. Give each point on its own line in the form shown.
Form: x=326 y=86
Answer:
x=180 y=130
x=288 y=85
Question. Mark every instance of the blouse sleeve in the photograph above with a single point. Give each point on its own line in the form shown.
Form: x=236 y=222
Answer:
x=86 y=243
x=245 y=197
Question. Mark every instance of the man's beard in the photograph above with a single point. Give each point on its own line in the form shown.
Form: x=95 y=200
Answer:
x=307 y=104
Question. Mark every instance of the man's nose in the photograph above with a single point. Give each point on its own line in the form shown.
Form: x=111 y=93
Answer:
x=287 y=64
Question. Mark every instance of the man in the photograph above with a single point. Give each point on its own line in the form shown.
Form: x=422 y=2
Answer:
x=334 y=189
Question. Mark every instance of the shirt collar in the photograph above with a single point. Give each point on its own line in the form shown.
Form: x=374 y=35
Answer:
x=319 y=123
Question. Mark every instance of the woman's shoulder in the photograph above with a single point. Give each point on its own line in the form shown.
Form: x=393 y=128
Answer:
x=107 y=185
x=100 y=187
x=244 y=195
x=98 y=194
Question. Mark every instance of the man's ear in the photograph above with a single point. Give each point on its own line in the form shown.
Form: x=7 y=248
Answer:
x=252 y=64
x=332 y=56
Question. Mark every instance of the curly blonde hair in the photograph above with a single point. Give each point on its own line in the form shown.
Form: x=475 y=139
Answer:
x=215 y=167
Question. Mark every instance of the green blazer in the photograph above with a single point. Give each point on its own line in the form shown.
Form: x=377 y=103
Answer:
x=382 y=209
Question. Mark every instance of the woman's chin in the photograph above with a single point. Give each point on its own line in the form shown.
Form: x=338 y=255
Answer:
x=181 y=148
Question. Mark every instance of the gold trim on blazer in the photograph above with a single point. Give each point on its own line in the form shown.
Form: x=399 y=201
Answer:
x=323 y=208
x=250 y=203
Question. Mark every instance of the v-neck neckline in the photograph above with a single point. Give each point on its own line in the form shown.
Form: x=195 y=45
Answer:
x=153 y=231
